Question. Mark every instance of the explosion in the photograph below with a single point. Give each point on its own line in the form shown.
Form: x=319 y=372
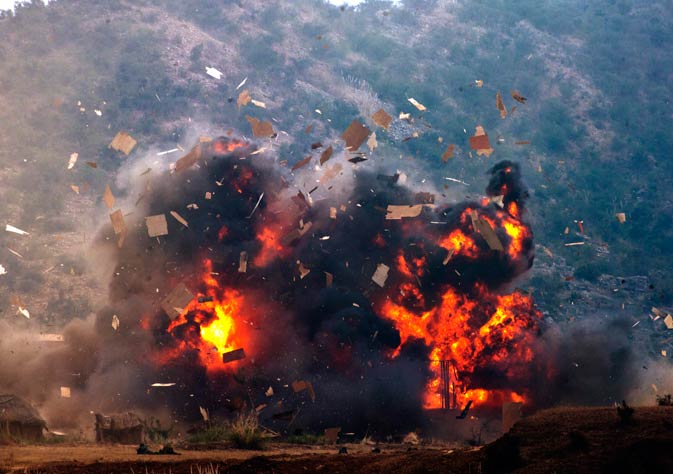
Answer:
x=410 y=312
x=212 y=324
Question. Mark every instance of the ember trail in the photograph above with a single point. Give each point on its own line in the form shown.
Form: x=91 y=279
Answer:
x=335 y=310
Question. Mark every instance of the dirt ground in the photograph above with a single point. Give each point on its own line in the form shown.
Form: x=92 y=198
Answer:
x=277 y=458
x=560 y=440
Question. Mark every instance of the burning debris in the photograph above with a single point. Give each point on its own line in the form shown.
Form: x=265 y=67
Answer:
x=290 y=294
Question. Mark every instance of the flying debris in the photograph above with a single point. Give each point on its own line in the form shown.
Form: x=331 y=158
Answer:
x=516 y=95
x=417 y=104
x=324 y=156
x=480 y=142
x=448 y=153
x=179 y=218
x=394 y=212
x=382 y=119
x=108 y=197
x=156 y=225
x=500 y=105
x=232 y=356
x=355 y=135
x=123 y=142
x=242 y=83
x=72 y=160
x=177 y=300
x=243 y=98
x=15 y=230
x=260 y=129
x=213 y=72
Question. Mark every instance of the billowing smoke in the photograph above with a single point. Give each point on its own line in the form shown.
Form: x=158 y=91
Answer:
x=297 y=281
x=343 y=304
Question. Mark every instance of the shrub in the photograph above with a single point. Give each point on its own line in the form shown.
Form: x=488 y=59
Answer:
x=244 y=431
x=665 y=400
x=625 y=413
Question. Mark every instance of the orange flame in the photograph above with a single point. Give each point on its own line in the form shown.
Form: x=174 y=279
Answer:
x=470 y=335
x=219 y=329
x=271 y=247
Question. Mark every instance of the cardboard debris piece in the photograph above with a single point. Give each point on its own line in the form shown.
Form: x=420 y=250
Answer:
x=302 y=163
x=381 y=274
x=448 y=256
x=382 y=119
x=123 y=142
x=115 y=322
x=24 y=312
x=417 y=104
x=75 y=188
x=355 y=135
x=119 y=226
x=179 y=218
x=231 y=356
x=50 y=338
x=329 y=279
x=482 y=226
x=332 y=434
x=260 y=129
x=243 y=262
x=177 y=300
x=500 y=105
x=668 y=321
x=269 y=391
x=73 y=160
x=204 y=413
x=303 y=270
x=259 y=104
x=243 y=98
x=498 y=200
x=372 y=143
x=108 y=197
x=92 y=164
x=65 y=392
x=522 y=142
x=213 y=72
x=398 y=212
x=518 y=97
x=156 y=225
x=404 y=116
x=448 y=153
x=480 y=142
x=189 y=159
x=326 y=154
x=295 y=234
x=621 y=217
x=357 y=159
x=332 y=212
x=15 y=230
x=424 y=198
x=511 y=413
x=301 y=385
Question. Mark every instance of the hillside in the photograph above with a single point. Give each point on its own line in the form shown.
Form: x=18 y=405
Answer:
x=597 y=79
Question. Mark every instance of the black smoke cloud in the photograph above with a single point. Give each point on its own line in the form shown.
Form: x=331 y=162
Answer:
x=303 y=329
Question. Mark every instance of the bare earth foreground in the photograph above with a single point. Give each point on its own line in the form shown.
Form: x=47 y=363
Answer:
x=561 y=440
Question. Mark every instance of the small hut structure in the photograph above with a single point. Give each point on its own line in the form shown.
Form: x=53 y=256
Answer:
x=18 y=419
x=122 y=428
